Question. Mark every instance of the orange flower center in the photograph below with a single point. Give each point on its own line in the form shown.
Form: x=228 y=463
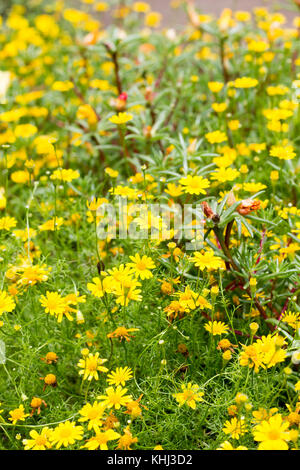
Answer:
x=40 y=441
x=274 y=434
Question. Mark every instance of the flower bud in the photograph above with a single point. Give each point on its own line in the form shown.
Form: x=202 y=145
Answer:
x=252 y=284
x=296 y=357
x=253 y=327
x=79 y=317
x=227 y=355
x=231 y=199
x=214 y=292
x=241 y=398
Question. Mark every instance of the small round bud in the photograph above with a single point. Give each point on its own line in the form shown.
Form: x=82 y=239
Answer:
x=227 y=355
x=253 y=327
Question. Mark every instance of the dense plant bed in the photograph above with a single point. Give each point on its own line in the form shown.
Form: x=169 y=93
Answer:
x=149 y=229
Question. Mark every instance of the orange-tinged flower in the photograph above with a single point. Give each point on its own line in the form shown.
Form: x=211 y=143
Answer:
x=18 y=414
x=247 y=206
x=126 y=440
x=101 y=439
x=122 y=333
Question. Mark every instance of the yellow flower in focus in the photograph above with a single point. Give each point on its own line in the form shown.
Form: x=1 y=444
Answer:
x=122 y=333
x=272 y=434
x=227 y=446
x=101 y=439
x=119 y=376
x=235 y=428
x=216 y=328
x=292 y=319
x=66 y=434
x=38 y=441
x=141 y=266
x=173 y=190
x=18 y=414
x=206 y=260
x=190 y=395
x=91 y=365
x=93 y=414
x=115 y=397
x=194 y=184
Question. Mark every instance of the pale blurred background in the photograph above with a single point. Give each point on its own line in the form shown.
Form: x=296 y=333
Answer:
x=176 y=16
x=172 y=17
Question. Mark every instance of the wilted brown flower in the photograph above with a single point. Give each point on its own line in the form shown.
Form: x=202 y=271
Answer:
x=207 y=210
x=182 y=349
x=247 y=206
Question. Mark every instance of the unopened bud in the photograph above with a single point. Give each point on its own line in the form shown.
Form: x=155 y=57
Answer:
x=79 y=317
x=231 y=199
x=214 y=292
x=227 y=355
x=252 y=284
x=254 y=327
x=296 y=357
